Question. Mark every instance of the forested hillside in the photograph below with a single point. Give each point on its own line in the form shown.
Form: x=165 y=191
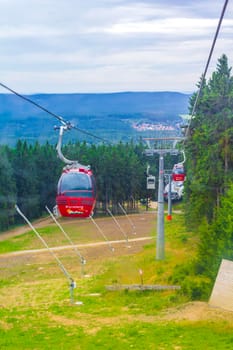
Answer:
x=109 y=115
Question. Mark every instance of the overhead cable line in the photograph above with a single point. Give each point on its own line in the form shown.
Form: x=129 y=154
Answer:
x=207 y=64
x=63 y=121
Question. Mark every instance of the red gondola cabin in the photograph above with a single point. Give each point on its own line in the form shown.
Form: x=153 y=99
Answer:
x=76 y=193
x=178 y=172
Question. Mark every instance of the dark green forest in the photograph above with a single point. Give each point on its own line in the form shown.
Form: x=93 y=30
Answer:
x=209 y=184
x=29 y=176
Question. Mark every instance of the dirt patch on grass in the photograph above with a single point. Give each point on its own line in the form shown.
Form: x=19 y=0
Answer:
x=90 y=324
x=197 y=311
x=5 y=326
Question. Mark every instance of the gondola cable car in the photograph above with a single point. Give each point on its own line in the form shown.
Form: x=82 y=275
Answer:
x=178 y=171
x=76 y=190
x=150 y=180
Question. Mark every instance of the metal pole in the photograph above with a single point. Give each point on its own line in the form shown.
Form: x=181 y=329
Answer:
x=130 y=221
x=169 y=214
x=119 y=226
x=82 y=259
x=160 y=216
x=102 y=233
x=62 y=267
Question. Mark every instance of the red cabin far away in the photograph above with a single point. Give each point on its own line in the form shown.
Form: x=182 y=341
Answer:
x=178 y=172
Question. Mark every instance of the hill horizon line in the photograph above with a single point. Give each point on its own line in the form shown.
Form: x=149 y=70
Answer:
x=93 y=92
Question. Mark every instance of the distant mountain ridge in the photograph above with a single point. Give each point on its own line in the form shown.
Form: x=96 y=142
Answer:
x=98 y=112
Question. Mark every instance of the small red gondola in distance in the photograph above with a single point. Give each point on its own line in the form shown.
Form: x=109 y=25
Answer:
x=76 y=192
x=178 y=172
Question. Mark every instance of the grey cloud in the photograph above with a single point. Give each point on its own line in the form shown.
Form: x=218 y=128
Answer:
x=102 y=42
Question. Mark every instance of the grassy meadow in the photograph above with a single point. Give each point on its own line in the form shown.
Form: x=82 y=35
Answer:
x=36 y=311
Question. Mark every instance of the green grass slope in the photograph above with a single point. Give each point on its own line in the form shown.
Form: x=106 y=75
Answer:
x=35 y=307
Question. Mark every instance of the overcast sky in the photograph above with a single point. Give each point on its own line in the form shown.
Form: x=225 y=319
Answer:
x=110 y=45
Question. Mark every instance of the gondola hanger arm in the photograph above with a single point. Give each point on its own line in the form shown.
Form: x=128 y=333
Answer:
x=75 y=163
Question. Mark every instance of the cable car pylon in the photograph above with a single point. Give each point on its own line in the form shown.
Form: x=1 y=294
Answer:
x=120 y=228
x=102 y=233
x=81 y=258
x=72 y=283
x=130 y=221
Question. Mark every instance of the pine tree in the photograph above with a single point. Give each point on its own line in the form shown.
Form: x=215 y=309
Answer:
x=7 y=189
x=216 y=239
x=26 y=179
